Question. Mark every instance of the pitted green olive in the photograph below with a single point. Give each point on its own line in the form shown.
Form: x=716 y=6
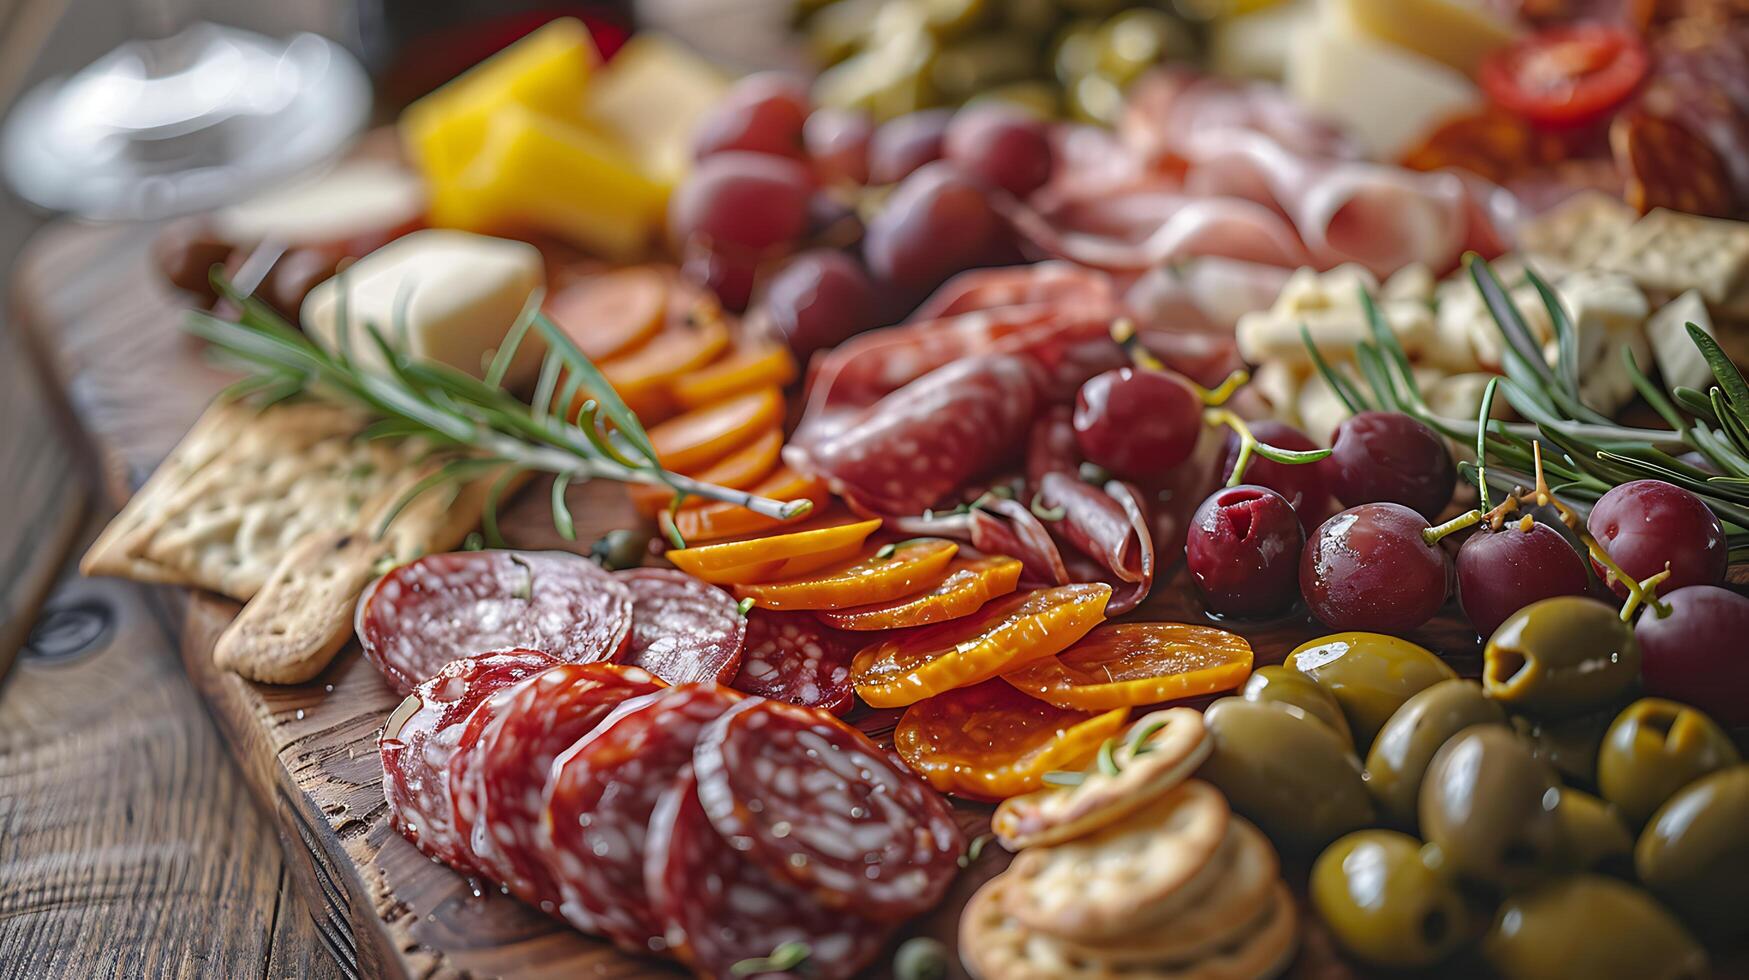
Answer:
x=1593 y=927
x=1568 y=744
x=1488 y=804
x=1384 y=904
x=1695 y=851
x=1593 y=836
x=1654 y=748
x=1561 y=656
x=1400 y=754
x=1369 y=674
x=1286 y=771
x=1278 y=684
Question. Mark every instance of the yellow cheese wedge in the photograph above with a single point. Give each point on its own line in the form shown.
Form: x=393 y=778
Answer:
x=1456 y=33
x=650 y=97
x=1385 y=96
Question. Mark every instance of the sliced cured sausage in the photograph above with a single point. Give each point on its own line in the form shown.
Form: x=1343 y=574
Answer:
x=791 y=657
x=684 y=631
x=420 y=739
x=435 y=609
x=1108 y=526
x=719 y=908
x=598 y=806
x=819 y=804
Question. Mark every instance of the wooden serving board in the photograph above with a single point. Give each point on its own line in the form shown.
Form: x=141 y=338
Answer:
x=106 y=333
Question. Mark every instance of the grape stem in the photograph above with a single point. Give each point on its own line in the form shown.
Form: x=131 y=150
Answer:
x=1433 y=534
x=1249 y=444
x=1123 y=330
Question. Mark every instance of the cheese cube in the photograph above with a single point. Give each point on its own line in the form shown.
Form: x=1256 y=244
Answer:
x=1387 y=97
x=1608 y=313
x=1257 y=45
x=650 y=98
x=360 y=198
x=1455 y=33
x=1679 y=361
x=460 y=294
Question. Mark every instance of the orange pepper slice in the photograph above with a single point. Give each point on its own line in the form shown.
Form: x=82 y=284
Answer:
x=699 y=522
x=728 y=562
x=1124 y=665
x=747 y=368
x=609 y=314
x=642 y=376
x=906 y=668
x=705 y=435
x=990 y=742
x=742 y=469
x=876 y=577
x=970 y=583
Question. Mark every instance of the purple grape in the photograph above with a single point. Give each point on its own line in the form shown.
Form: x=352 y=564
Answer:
x=1699 y=653
x=819 y=299
x=1368 y=568
x=1643 y=524
x=1243 y=551
x=1388 y=457
x=1501 y=572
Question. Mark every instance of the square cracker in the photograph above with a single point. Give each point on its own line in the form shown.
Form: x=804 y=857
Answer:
x=1670 y=252
x=1575 y=232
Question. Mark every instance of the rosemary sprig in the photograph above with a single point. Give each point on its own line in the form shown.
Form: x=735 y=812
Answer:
x=479 y=423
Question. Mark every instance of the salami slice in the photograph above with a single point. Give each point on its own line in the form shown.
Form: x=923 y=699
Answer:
x=420 y=739
x=598 y=805
x=684 y=630
x=793 y=657
x=498 y=781
x=718 y=908
x=428 y=612
x=819 y=804
x=1108 y=526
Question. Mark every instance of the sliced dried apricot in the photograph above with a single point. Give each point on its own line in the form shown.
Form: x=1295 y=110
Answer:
x=735 y=561
x=742 y=469
x=991 y=742
x=1125 y=665
x=704 y=435
x=747 y=368
x=642 y=376
x=970 y=582
x=700 y=521
x=609 y=314
x=906 y=668
x=879 y=577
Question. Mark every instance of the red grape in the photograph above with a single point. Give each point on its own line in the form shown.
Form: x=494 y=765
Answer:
x=1501 y=572
x=936 y=223
x=1388 y=457
x=1697 y=654
x=1303 y=484
x=759 y=114
x=1000 y=145
x=746 y=200
x=729 y=274
x=837 y=140
x=902 y=145
x=1643 y=524
x=818 y=300
x=1368 y=568
x=1243 y=550
x=1137 y=423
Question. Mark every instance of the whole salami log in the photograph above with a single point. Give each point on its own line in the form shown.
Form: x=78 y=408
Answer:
x=598 y=807
x=793 y=657
x=825 y=808
x=684 y=631
x=421 y=737
x=718 y=908
x=435 y=609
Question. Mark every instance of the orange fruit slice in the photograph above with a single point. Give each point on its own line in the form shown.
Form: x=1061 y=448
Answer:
x=750 y=367
x=753 y=559
x=1125 y=665
x=705 y=435
x=877 y=577
x=742 y=469
x=702 y=521
x=608 y=314
x=969 y=583
x=642 y=376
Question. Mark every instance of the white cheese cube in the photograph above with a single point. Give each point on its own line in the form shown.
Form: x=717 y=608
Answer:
x=1679 y=361
x=1608 y=312
x=1386 y=97
x=1411 y=282
x=461 y=293
x=1258 y=44
x=361 y=198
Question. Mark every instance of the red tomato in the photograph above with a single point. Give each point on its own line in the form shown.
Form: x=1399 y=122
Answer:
x=1566 y=76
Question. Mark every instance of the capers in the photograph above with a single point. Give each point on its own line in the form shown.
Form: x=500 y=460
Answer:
x=1369 y=674
x=1488 y=805
x=1560 y=657
x=1654 y=748
x=1384 y=904
x=1286 y=771
x=1284 y=685
x=1695 y=851
x=920 y=958
x=1593 y=927
x=1400 y=754
x=1593 y=836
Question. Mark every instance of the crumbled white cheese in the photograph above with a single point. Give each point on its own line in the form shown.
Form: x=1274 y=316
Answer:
x=1608 y=312
x=1679 y=361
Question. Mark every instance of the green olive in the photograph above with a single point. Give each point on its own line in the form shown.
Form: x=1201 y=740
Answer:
x=1400 y=754
x=1593 y=927
x=953 y=18
x=1036 y=98
x=1654 y=748
x=621 y=547
x=1568 y=744
x=1695 y=851
x=1075 y=52
x=1283 y=685
x=1138 y=39
x=1370 y=675
x=1034 y=18
x=1488 y=804
x=968 y=67
x=1561 y=656
x=1384 y=904
x=1593 y=836
x=1286 y=771
x=1094 y=98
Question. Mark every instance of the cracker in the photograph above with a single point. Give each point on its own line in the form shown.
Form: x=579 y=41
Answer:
x=1575 y=232
x=1060 y=813
x=1670 y=252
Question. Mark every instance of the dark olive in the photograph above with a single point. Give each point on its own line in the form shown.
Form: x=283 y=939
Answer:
x=1593 y=836
x=1384 y=904
x=1654 y=748
x=1400 y=754
x=1277 y=684
x=1593 y=927
x=1561 y=656
x=1568 y=744
x=1285 y=770
x=1695 y=851
x=620 y=548
x=1369 y=674
x=1488 y=804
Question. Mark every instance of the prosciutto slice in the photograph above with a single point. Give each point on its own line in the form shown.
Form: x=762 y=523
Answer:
x=1107 y=526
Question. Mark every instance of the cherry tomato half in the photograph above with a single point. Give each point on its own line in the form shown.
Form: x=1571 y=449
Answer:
x=1566 y=76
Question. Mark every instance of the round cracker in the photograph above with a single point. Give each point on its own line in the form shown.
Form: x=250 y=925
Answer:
x=1107 y=883
x=1060 y=813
